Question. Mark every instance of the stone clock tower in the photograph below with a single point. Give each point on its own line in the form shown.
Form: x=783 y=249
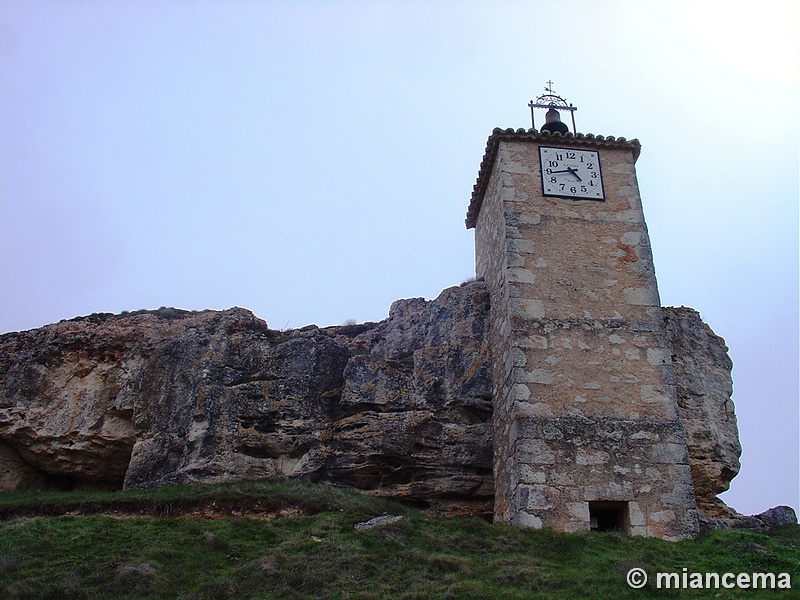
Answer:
x=586 y=430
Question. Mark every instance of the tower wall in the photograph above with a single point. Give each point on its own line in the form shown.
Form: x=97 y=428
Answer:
x=585 y=412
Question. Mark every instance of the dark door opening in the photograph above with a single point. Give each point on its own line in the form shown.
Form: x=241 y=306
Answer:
x=608 y=516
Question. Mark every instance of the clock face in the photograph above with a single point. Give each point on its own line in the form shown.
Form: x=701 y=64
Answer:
x=569 y=173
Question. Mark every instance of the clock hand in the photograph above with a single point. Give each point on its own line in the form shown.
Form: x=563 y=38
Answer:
x=574 y=172
x=569 y=170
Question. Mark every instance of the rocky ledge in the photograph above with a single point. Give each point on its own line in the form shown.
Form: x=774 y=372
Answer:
x=401 y=408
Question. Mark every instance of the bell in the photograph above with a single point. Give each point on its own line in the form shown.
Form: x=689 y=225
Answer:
x=553 y=122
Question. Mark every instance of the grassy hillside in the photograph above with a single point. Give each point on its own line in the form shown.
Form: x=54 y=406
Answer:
x=288 y=540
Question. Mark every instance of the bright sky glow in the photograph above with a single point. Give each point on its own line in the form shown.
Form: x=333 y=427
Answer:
x=758 y=42
x=313 y=161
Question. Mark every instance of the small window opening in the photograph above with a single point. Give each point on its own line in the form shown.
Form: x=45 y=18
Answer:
x=608 y=516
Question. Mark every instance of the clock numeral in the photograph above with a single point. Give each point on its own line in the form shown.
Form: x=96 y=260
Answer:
x=553 y=163
x=553 y=180
x=594 y=174
x=588 y=165
x=573 y=189
x=584 y=189
x=571 y=155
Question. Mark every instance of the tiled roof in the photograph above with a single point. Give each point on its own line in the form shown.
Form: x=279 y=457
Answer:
x=531 y=135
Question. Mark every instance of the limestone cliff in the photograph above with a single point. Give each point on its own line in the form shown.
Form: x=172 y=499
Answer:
x=401 y=408
x=704 y=387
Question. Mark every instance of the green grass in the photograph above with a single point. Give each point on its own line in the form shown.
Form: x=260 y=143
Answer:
x=321 y=555
x=269 y=495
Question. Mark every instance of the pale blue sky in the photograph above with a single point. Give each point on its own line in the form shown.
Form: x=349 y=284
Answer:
x=313 y=161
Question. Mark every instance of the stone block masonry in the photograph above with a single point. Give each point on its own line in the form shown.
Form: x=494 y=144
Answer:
x=586 y=427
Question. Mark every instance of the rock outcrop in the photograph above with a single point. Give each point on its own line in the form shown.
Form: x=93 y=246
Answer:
x=401 y=408
x=704 y=386
x=777 y=516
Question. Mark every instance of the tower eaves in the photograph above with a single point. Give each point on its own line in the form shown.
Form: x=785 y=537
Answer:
x=521 y=135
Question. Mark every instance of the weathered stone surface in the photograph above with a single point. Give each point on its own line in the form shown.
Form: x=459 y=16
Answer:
x=778 y=516
x=415 y=411
x=378 y=522
x=704 y=387
x=732 y=521
x=400 y=408
x=580 y=348
x=60 y=410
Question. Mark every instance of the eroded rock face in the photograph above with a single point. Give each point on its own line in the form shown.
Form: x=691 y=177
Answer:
x=415 y=411
x=401 y=408
x=704 y=386
x=60 y=412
